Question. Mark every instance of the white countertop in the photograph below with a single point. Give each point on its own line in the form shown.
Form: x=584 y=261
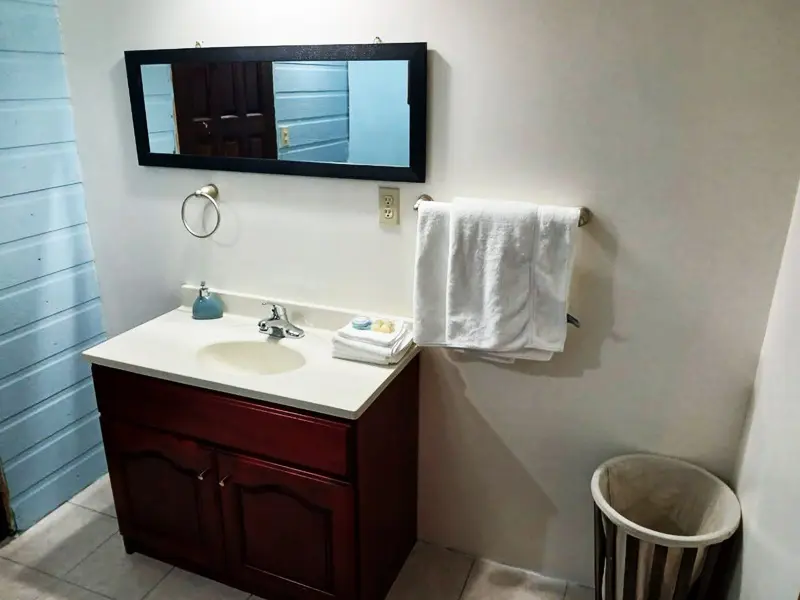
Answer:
x=168 y=348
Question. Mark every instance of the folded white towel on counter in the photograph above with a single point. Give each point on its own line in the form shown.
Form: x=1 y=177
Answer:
x=378 y=348
x=375 y=338
x=490 y=268
x=430 y=273
x=366 y=348
x=370 y=353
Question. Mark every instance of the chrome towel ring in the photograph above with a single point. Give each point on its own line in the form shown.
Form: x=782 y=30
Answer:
x=211 y=193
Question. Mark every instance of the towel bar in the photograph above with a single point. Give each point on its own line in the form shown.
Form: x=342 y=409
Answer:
x=584 y=219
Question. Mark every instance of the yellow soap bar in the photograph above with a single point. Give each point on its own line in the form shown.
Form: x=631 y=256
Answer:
x=383 y=326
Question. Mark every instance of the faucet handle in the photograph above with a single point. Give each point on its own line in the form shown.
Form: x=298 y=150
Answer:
x=278 y=311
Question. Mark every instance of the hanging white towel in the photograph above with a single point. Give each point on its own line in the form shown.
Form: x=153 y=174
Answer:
x=451 y=278
x=553 y=263
x=430 y=273
x=489 y=301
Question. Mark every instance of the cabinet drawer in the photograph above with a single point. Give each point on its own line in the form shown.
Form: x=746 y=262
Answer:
x=291 y=437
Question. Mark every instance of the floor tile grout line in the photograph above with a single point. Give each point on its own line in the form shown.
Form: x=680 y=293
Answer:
x=160 y=581
x=466 y=580
x=62 y=577
x=85 y=558
x=58 y=578
x=92 y=509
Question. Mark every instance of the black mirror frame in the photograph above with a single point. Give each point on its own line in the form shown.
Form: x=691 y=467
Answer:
x=414 y=53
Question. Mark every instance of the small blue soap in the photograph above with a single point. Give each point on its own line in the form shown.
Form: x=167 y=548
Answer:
x=362 y=323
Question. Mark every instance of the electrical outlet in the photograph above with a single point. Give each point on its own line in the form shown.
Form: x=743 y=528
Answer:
x=389 y=206
x=284 y=136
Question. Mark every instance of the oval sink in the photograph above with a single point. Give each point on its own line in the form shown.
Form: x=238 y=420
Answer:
x=252 y=357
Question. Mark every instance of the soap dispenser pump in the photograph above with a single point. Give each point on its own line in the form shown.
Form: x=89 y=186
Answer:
x=207 y=305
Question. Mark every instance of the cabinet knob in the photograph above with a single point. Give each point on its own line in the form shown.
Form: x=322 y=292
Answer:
x=202 y=475
x=223 y=480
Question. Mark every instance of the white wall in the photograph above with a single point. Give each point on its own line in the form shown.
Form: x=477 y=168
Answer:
x=768 y=478
x=676 y=122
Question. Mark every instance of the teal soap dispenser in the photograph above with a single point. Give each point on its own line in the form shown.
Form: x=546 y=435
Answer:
x=207 y=305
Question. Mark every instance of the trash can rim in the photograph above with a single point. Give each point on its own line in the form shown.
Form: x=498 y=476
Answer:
x=652 y=535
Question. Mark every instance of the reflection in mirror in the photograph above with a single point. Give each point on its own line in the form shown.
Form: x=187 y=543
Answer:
x=349 y=112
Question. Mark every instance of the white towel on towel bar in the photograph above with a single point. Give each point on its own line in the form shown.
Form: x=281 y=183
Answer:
x=430 y=273
x=430 y=280
x=509 y=275
x=491 y=253
x=476 y=302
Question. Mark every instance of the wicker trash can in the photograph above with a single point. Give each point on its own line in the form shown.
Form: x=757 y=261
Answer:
x=660 y=524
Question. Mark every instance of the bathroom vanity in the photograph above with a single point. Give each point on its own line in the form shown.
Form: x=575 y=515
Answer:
x=276 y=484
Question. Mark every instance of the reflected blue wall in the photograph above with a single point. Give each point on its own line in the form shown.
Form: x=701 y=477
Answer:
x=311 y=103
x=159 y=104
x=379 y=117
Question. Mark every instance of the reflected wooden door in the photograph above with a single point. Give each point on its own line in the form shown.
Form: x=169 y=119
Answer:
x=288 y=533
x=164 y=490
x=225 y=109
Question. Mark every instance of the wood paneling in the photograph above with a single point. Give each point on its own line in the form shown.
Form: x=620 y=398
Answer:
x=47 y=296
x=327 y=152
x=304 y=77
x=46 y=419
x=41 y=255
x=30 y=76
x=160 y=117
x=41 y=380
x=50 y=444
x=39 y=167
x=317 y=131
x=290 y=107
x=27 y=123
x=53 y=453
x=311 y=102
x=35 y=213
x=42 y=339
x=156 y=80
x=159 y=103
x=53 y=490
x=27 y=27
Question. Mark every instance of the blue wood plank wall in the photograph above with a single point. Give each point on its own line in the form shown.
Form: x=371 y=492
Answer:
x=311 y=100
x=50 y=444
x=159 y=106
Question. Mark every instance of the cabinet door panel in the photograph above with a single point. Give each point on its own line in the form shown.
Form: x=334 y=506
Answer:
x=288 y=533
x=164 y=490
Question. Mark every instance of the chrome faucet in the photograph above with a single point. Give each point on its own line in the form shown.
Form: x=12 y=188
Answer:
x=278 y=326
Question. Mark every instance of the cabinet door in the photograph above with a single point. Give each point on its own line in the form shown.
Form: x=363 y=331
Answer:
x=288 y=533
x=164 y=489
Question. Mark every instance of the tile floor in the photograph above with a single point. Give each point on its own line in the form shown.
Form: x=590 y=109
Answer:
x=76 y=553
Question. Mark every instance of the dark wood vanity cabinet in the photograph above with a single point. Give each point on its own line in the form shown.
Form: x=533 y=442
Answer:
x=278 y=502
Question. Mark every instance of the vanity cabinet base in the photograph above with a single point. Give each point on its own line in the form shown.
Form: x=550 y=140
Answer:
x=281 y=503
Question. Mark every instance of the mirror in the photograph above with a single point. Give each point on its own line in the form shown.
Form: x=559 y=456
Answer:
x=334 y=111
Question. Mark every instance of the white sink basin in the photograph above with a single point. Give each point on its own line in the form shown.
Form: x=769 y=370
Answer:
x=262 y=357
